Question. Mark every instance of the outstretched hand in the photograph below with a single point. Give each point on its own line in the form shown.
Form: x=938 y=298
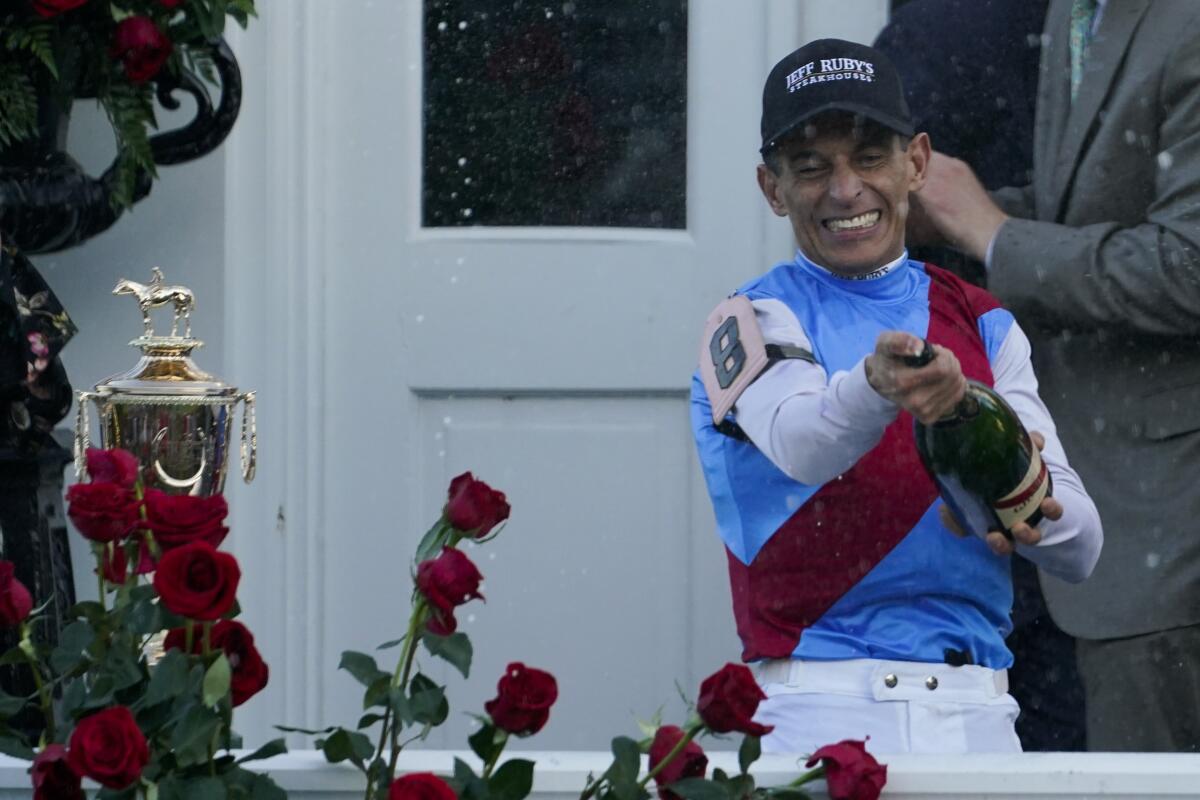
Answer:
x=927 y=392
x=1022 y=533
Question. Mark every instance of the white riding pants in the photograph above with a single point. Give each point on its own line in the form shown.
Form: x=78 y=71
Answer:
x=903 y=706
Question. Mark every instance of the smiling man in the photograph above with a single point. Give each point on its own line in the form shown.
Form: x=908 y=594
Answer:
x=861 y=613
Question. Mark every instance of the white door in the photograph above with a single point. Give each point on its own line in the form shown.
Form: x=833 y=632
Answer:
x=551 y=360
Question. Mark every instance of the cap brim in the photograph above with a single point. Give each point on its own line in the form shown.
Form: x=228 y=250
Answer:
x=902 y=127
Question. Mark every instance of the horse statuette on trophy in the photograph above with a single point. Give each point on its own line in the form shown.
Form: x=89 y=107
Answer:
x=174 y=417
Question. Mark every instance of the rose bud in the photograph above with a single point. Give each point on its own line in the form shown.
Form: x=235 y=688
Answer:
x=851 y=773
x=53 y=778
x=52 y=8
x=177 y=519
x=141 y=47
x=689 y=763
x=112 y=466
x=474 y=507
x=523 y=699
x=109 y=748
x=197 y=581
x=446 y=582
x=102 y=512
x=250 y=672
x=420 y=786
x=15 y=601
x=728 y=700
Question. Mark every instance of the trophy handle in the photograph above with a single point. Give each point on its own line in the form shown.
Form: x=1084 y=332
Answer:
x=249 y=446
x=82 y=434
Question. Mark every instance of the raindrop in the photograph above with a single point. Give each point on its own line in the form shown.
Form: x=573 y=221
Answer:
x=445 y=420
x=467 y=180
x=454 y=279
x=1153 y=560
x=420 y=317
x=442 y=25
x=466 y=212
x=470 y=617
x=1165 y=160
x=1098 y=423
x=1130 y=136
x=462 y=162
x=491 y=556
x=462 y=26
x=437 y=435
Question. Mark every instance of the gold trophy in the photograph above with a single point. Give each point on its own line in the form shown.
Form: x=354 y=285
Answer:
x=176 y=419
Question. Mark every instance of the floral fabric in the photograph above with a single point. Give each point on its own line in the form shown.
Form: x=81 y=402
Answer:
x=34 y=390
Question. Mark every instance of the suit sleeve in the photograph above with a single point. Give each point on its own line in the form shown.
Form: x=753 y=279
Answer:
x=1142 y=278
x=1070 y=546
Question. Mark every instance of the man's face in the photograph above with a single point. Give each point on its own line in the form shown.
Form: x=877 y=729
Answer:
x=845 y=186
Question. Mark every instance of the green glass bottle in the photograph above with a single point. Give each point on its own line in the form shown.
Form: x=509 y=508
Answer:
x=983 y=461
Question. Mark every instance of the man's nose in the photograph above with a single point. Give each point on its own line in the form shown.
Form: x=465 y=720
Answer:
x=845 y=184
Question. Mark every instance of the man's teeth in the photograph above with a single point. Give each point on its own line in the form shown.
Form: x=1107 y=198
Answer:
x=861 y=221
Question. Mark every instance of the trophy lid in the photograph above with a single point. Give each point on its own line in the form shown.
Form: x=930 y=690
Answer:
x=166 y=366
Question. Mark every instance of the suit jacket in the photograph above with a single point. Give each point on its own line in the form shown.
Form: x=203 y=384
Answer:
x=1104 y=274
x=957 y=96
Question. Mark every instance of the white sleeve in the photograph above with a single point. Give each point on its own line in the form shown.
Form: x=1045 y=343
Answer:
x=811 y=426
x=1070 y=546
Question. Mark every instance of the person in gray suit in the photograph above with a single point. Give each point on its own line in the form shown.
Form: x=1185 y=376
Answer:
x=1099 y=260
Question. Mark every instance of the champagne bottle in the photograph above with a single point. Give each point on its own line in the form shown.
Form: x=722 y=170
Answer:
x=983 y=461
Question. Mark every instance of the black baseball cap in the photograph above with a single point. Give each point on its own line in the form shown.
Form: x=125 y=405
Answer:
x=832 y=74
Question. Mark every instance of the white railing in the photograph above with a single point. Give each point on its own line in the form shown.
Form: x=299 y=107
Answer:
x=561 y=775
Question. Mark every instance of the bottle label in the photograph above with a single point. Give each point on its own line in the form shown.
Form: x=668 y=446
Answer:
x=1019 y=505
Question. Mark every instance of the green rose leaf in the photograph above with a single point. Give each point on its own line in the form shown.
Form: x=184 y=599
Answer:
x=272 y=748
x=72 y=643
x=13 y=745
x=487 y=742
x=10 y=705
x=216 y=681
x=346 y=745
x=749 y=752
x=167 y=679
x=362 y=667
x=455 y=648
x=512 y=780
x=467 y=785
x=428 y=701
x=192 y=737
x=431 y=543
x=699 y=789
x=627 y=762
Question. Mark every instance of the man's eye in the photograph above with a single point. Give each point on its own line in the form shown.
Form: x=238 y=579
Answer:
x=871 y=159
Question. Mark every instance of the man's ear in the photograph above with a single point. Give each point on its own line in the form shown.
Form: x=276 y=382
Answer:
x=768 y=182
x=918 y=154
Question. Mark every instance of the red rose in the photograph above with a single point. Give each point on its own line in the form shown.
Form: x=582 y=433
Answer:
x=474 y=507
x=112 y=466
x=15 y=602
x=420 y=786
x=728 y=700
x=177 y=519
x=116 y=565
x=851 y=773
x=103 y=512
x=523 y=699
x=197 y=581
x=52 y=8
x=53 y=778
x=447 y=581
x=141 y=46
x=250 y=672
x=109 y=748
x=689 y=763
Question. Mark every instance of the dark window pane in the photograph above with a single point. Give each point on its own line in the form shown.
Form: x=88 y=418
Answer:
x=555 y=114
